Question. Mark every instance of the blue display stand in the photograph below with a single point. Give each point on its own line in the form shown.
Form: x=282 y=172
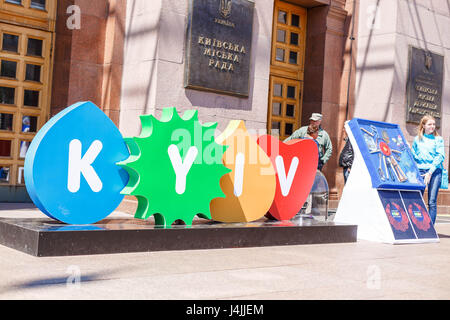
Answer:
x=383 y=192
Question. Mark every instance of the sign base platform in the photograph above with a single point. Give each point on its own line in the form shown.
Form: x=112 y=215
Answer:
x=48 y=238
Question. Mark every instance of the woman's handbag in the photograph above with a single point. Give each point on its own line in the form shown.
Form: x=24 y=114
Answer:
x=444 y=181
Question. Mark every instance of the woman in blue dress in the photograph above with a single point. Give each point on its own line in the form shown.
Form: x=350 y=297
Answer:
x=429 y=154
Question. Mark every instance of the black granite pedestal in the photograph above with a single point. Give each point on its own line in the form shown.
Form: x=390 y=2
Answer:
x=45 y=237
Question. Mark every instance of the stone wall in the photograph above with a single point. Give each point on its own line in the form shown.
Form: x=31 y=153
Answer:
x=383 y=57
x=386 y=30
x=155 y=60
x=327 y=70
x=88 y=61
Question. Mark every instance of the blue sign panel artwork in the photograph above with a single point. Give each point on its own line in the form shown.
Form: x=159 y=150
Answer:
x=70 y=169
x=396 y=214
x=385 y=175
x=386 y=154
x=418 y=215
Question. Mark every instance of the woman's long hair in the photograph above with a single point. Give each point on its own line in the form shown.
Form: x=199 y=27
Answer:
x=423 y=122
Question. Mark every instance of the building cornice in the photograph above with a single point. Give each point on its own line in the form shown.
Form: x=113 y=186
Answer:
x=336 y=20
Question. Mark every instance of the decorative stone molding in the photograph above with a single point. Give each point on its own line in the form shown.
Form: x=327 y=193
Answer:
x=336 y=20
x=338 y=3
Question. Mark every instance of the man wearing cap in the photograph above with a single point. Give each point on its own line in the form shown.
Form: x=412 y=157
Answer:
x=323 y=139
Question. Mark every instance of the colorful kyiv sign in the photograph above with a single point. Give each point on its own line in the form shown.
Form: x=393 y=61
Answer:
x=79 y=167
x=70 y=168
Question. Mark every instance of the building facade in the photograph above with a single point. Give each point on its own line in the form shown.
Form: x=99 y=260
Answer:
x=342 y=58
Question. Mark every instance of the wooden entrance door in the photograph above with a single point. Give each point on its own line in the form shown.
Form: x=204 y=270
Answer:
x=287 y=69
x=25 y=81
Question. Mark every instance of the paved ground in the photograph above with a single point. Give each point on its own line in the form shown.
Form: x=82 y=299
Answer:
x=362 y=270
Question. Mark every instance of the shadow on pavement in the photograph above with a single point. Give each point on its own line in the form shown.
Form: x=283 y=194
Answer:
x=16 y=206
x=73 y=278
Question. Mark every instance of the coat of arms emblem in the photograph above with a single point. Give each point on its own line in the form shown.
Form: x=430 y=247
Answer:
x=225 y=8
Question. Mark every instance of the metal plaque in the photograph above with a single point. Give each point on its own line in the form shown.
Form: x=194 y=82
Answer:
x=219 y=41
x=424 y=87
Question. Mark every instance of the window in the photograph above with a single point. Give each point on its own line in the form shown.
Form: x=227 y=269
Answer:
x=29 y=124
x=295 y=21
x=294 y=38
x=10 y=42
x=289 y=129
x=20 y=176
x=276 y=109
x=34 y=47
x=293 y=57
x=5 y=148
x=281 y=36
x=24 y=145
x=286 y=69
x=282 y=17
x=289 y=34
x=4 y=174
x=280 y=55
x=33 y=73
x=278 y=90
x=290 y=110
x=275 y=128
x=7 y=95
x=19 y=2
x=291 y=92
x=31 y=98
x=6 y=121
x=8 y=69
x=284 y=111
x=38 y=4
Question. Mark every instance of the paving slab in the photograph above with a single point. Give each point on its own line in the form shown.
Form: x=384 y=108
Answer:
x=361 y=270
